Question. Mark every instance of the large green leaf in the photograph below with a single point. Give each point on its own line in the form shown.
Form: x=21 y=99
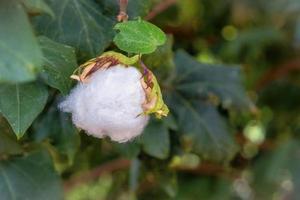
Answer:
x=20 y=56
x=204 y=80
x=21 y=103
x=205 y=131
x=30 y=177
x=138 y=37
x=78 y=23
x=62 y=133
x=59 y=64
x=155 y=140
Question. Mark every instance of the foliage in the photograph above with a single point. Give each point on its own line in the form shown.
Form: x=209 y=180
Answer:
x=229 y=73
x=138 y=37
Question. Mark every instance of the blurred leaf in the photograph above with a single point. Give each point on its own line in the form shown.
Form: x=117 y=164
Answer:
x=168 y=182
x=275 y=168
x=79 y=24
x=155 y=140
x=8 y=144
x=59 y=64
x=97 y=190
x=21 y=57
x=250 y=43
x=204 y=188
x=170 y=122
x=36 y=7
x=297 y=34
x=189 y=13
x=161 y=61
x=21 y=104
x=30 y=177
x=205 y=131
x=62 y=133
x=186 y=160
x=136 y=8
x=138 y=37
x=205 y=80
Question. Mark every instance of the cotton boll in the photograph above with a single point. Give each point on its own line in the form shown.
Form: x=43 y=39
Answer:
x=109 y=104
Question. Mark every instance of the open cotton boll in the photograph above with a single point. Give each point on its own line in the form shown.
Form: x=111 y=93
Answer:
x=109 y=104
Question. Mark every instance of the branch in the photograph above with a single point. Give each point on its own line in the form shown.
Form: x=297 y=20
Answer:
x=159 y=8
x=205 y=168
x=115 y=165
x=280 y=71
x=122 y=16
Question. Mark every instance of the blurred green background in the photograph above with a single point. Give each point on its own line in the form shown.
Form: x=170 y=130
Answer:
x=219 y=142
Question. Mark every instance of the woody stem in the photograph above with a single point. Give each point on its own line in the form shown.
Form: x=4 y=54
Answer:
x=122 y=16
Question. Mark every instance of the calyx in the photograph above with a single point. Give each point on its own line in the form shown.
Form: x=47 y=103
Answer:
x=153 y=104
x=104 y=61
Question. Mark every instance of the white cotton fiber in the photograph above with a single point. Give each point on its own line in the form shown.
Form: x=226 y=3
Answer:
x=109 y=104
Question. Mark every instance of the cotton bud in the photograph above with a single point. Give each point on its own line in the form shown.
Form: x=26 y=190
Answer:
x=111 y=99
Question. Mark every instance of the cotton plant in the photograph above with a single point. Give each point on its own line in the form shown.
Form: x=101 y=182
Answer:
x=116 y=94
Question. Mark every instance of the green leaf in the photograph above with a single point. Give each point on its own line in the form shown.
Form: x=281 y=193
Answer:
x=78 y=23
x=30 y=177
x=21 y=103
x=62 y=133
x=138 y=37
x=205 y=80
x=20 y=56
x=36 y=7
x=204 y=130
x=155 y=140
x=59 y=64
x=8 y=143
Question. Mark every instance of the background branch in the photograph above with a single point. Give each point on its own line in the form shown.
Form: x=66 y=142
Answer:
x=114 y=165
x=205 y=168
x=278 y=72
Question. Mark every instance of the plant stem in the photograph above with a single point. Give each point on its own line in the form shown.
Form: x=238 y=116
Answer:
x=122 y=16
